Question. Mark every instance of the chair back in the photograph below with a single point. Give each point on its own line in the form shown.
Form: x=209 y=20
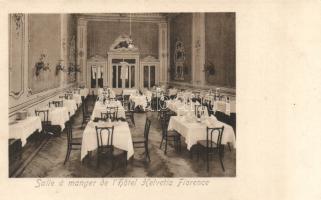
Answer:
x=84 y=105
x=58 y=103
x=147 y=127
x=126 y=97
x=131 y=106
x=68 y=96
x=200 y=110
x=163 y=113
x=112 y=113
x=164 y=125
x=69 y=132
x=44 y=115
x=104 y=134
x=77 y=91
x=218 y=132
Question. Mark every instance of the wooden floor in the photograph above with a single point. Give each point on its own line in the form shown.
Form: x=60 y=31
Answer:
x=48 y=162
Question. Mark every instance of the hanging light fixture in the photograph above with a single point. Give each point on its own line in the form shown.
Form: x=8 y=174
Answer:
x=130 y=41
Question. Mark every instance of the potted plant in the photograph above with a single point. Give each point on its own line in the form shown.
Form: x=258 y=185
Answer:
x=40 y=65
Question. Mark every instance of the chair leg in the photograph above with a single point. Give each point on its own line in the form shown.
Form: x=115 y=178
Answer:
x=68 y=154
x=179 y=144
x=160 y=146
x=133 y=120
x=229 y=147
x=147 y=152
x=222 y=164
x=166 y=145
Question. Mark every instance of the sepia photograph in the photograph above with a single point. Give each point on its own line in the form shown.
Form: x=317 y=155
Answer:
x=167 y=99
x=122 y=95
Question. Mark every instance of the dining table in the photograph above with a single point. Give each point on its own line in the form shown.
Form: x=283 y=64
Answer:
x=84 y=92
x=130 y=91
x=139 y=100
x=107 y=92
x=183 y=108
x=193 y=130
x=71 y=106
x=122 y=138
x=101 y=107
x=172 y=91
x=77 y=98
x=22 y=129
x=56 y=115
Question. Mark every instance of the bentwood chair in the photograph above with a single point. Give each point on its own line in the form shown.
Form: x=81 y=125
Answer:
x=47 y=127
x=59 y=103
x=212 y=145
x=129 y=113
x=169 y=136
x=200 y=110
x=113 y=112
x=109 y=115
x=85 y=114
x=106 y=149
x=72 y=142
x=45 y=119
x=143 y=142
x=68 y=96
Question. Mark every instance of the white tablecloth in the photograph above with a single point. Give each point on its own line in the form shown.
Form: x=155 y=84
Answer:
x=172 y=92
x=77 y=98
x=139 y=100
x=148 y=94
x=129 y=91
x=195 y=131
x=222 y=106
x=58 y=116
x=24 y=128
x=100 y=107
x=183 y=109
x=71 y=106
x=84 y=92
x=122 y=138
x=101 y=91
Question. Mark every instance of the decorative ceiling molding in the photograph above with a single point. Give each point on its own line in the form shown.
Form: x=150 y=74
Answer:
x=124 y=17
x=117 y=45
x=149 y=59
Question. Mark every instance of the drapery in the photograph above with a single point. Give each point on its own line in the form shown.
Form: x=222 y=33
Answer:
x=124 y=70
x=96 y=71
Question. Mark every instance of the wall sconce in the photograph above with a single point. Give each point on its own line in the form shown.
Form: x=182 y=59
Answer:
x=59 y=67
x=73 y=68
x=40 y=65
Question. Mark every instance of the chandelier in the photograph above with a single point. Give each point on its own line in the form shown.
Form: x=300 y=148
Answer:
x=130 y=41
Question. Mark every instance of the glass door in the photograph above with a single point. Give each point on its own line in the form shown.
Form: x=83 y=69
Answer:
x=127 y=80
x=97 y=80
x=149 y=76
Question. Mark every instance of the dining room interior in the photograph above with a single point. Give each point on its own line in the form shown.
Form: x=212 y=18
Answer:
x=122 y=95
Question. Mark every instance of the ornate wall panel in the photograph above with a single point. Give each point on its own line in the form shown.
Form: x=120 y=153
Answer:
x=181 y=30
x=220 y=48
x=16 y=55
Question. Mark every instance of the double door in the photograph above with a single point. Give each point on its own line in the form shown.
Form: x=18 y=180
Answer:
x=123 y=73
x=96 y=74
